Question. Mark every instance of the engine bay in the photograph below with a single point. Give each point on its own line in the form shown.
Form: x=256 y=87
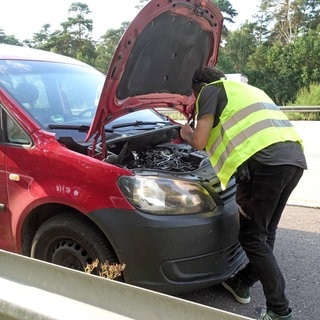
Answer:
x=167 y=157
x=152 y=150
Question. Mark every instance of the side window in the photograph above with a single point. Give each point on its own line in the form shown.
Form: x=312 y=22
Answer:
x=12 y=132
x=15 y=134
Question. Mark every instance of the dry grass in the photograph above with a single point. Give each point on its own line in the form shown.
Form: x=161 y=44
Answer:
x=105 y=270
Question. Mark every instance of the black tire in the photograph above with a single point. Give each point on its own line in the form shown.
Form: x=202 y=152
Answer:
x=70 y=241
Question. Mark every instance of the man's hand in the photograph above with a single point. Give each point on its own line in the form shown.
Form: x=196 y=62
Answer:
x=199 y=137
x=186 y=132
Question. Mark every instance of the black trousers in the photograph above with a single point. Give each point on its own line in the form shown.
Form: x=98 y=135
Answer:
x=262 y=199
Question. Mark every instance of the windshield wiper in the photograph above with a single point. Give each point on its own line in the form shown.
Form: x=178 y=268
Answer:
x=138 y=123
x=81 y=128
x=85 y=128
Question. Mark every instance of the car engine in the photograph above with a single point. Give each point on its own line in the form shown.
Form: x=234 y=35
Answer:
x=168 y=157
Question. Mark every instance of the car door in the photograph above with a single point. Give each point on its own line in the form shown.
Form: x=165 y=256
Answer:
x=5 y=227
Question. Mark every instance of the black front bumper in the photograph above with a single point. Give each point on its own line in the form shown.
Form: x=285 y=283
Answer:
x=174 y=254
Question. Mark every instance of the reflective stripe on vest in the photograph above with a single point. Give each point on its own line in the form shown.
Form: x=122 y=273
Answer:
x=241 y=132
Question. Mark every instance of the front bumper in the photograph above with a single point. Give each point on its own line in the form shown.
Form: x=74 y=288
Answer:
x=174 y=254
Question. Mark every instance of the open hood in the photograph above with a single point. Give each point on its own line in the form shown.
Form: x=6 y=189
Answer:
x=157 y=56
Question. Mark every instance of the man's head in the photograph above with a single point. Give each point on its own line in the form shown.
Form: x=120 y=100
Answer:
x=206 y=75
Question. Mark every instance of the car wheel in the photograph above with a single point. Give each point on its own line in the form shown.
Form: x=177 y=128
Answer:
x=70 y=241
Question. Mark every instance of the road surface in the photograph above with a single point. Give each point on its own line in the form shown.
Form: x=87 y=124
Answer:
x=297 y=245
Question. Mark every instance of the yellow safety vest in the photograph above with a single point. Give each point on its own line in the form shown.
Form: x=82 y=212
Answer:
x=249 y=123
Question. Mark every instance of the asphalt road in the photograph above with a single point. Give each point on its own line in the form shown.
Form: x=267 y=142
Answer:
x=298 y=253
x=297 y=246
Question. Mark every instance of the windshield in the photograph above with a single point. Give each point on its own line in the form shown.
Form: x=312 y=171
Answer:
x=63 y=98
x=53 y=93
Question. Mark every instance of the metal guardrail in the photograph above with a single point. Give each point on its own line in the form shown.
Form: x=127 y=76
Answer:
x=300 y=108
x=283 y=108
x=32 y=289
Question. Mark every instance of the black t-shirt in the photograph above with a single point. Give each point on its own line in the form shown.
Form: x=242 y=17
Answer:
x=213 y=99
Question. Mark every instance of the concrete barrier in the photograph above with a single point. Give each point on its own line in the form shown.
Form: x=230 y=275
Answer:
x=32 y=289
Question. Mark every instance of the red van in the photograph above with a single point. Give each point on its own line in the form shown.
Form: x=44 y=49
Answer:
x=89 y=167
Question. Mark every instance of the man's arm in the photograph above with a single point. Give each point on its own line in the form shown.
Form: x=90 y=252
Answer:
x=198 y=137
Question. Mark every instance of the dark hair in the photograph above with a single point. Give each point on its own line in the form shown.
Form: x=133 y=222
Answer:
x=207 y=75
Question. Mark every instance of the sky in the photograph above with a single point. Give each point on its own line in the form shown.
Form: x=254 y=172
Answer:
x=23 y=18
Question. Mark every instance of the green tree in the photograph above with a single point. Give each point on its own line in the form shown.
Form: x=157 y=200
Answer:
x=287 y=19
x=107 y=46
x=311 y=12
x=269 y=69
x=74 y=40
x=41 y=39
x=282 y=70
x=77 y=24
x=283 y=55
x=226 y=9
x=228 y=13
x=225 y=62
x=240 y=46
x=304 y=57
x=8 y=39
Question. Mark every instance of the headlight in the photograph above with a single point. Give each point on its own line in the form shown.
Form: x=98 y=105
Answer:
x=163 y=196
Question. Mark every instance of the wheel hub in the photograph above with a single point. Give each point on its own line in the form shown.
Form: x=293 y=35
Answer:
x=71 y=254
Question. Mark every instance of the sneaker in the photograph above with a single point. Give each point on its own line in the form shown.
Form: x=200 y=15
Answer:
x=270 y=315
x=238 y=289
